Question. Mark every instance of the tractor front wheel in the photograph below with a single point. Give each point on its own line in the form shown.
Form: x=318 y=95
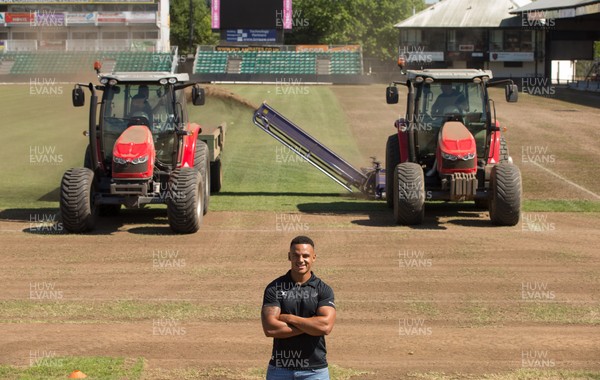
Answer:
x=392 y=159
x=409 y=194
x=77 y=207
x=185 y=203
x=505 y=205
x=202 y=164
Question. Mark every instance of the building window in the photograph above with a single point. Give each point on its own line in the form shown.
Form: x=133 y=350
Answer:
x=49 y=36
x=114 y=35
x=433 y=40
x=410 y=37
x=144 y=35
x=518 y=40
x=496 y=40
x=85 y=35
x=466 y=40
x=24 y=36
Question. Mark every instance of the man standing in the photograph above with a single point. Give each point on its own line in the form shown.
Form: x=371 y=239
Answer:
x=298 y=311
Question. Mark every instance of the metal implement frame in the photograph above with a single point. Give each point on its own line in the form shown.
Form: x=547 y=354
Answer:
x=310 y=149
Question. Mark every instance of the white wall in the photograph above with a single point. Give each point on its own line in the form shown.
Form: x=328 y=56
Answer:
x=562 y=71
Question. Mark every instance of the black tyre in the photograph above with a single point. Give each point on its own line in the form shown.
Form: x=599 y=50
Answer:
x=409 y=194
x=505 y=204
x=77 y=207
x=185 y=202
x=392 y=159
x=216 y=176
x=202 y=164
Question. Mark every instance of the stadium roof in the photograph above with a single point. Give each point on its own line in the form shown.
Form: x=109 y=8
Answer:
x=455 y=74
x=466 y=14
x=562 y=8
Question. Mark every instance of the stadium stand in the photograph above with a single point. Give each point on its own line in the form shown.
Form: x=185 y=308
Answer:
x=81 y=62
x=277 y=62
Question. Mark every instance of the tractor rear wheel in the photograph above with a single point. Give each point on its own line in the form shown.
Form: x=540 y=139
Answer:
x=202 y=164
x=392 y=159
x=409 y=194
x=77 y=207
x=185 y=203
x=216 y=176
x=505 y=204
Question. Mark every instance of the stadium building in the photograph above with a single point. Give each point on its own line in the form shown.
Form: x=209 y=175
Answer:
x=61 y=38
x=513 y=38
x=109 y=25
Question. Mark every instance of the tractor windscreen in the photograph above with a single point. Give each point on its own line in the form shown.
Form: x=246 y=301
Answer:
x=440 y=101
x=126 y=105
x=443 y=99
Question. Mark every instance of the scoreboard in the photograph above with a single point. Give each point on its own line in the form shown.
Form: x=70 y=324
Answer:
x=251 y=14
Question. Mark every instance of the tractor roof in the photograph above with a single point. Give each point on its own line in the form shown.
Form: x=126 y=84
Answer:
x=145 y=76
x=453 y=74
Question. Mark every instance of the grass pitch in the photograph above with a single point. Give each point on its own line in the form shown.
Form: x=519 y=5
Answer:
x=42 y=137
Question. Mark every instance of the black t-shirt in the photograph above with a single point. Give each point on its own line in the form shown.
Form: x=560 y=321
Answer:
x=301 y=352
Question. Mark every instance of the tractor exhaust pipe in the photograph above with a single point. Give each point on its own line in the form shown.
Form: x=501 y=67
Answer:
x=92 y=126
x=410 y=112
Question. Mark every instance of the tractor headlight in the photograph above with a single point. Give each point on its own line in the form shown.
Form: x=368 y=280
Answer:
x=163 y=81
x=139 y=160
x=172 y=80
x=119 y=160
x=449 y=157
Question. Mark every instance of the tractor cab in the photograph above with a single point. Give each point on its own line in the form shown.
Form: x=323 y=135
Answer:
x=151 y=100
x=442 y=101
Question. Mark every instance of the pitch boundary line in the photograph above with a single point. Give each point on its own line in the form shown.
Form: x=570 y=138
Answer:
x=566 y=180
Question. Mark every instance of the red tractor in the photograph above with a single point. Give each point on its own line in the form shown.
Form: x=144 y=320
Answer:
x=142 y=150
x=449 y=147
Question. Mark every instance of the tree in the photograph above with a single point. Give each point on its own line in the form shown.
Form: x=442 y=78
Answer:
x=365 y=22
x=180 y=25
x=369 y=23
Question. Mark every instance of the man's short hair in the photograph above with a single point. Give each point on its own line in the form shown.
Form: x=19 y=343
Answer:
x=302 y=240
